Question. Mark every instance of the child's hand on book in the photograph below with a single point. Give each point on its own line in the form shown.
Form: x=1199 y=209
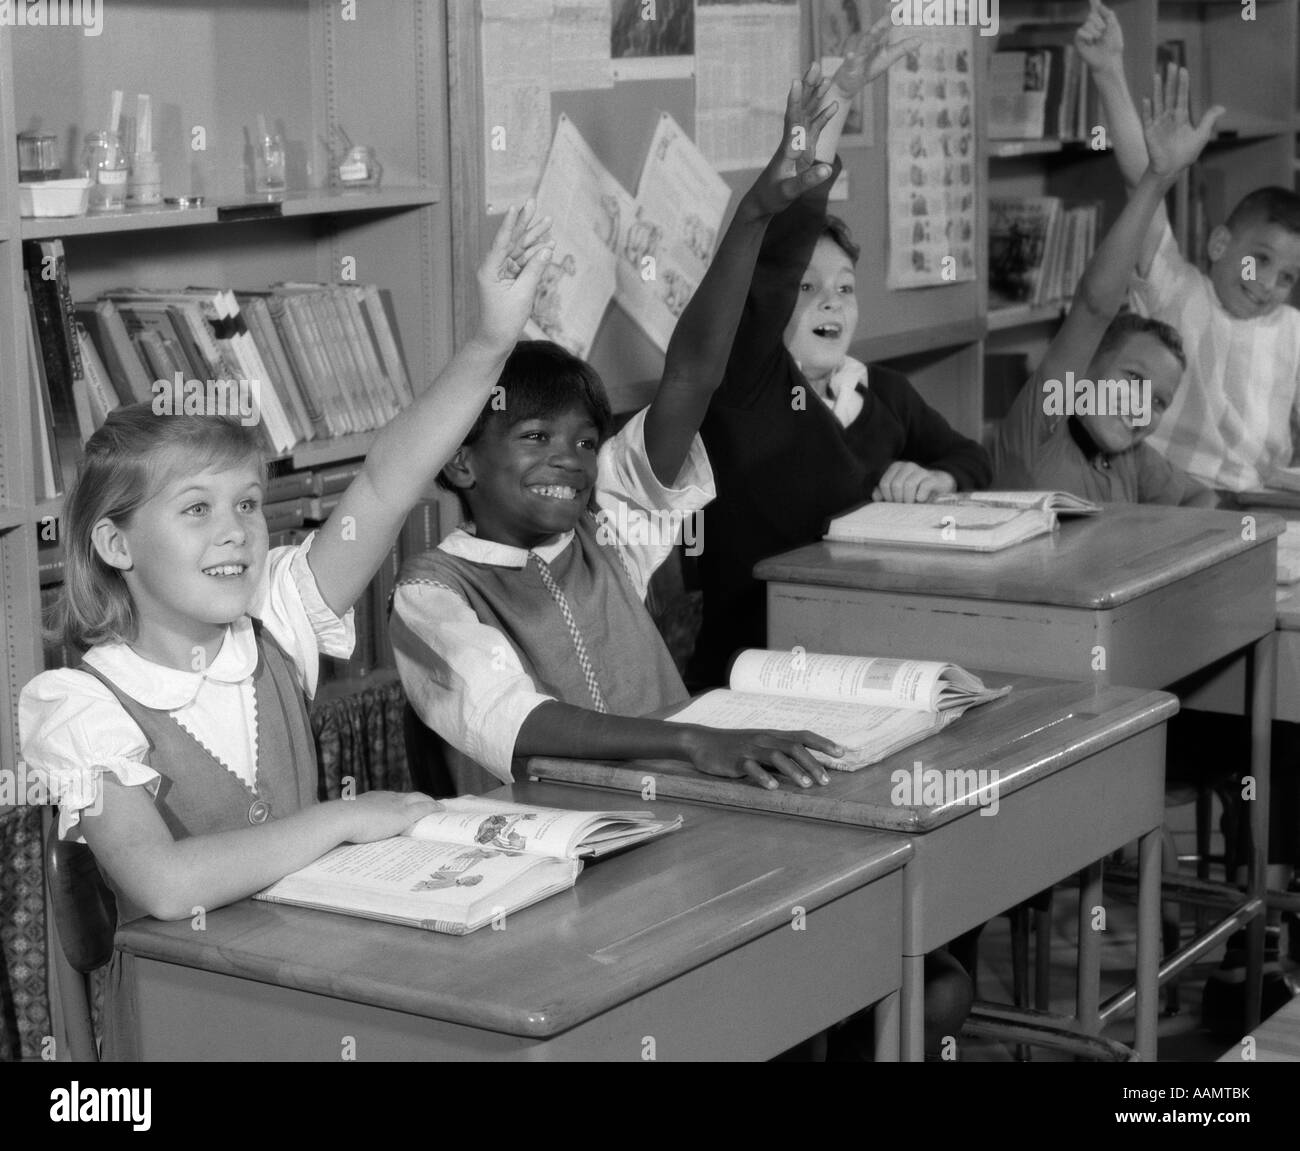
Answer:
x=907 y=483
x=382 y=814
x=793 y=169
x=745 y=754
x=868 y=56
x=510 y=273
x=1173 y=143
x=1100 y=40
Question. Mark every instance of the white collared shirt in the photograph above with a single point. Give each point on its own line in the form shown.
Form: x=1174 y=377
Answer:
x=467 y=682
x=847 y=384
x=73 y=728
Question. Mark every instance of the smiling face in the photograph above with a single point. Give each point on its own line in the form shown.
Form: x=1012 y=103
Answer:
x=196 y=552
x=1276 y=255
x=530 y=481
x=826 y=313
x=1137 y=357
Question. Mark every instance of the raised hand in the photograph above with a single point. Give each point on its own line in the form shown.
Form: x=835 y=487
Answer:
x=510 y=273
x=1173 y=143
x=868 y=56
x=793 y=169
x=1100 y=40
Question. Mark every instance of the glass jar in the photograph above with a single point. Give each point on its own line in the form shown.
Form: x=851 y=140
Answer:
x=359 y=168
x=104 y=162
x=38 y=156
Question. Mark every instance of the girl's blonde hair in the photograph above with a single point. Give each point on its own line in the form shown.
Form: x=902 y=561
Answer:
x=127 y=462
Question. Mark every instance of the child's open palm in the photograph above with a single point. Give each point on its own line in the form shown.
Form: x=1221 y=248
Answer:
x=1100 y=40
x=511 y=271
x=868 y=56
x=1173 y=142
x=794 y=168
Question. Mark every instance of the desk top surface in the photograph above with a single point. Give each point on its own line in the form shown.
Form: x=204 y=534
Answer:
x=1093 y=562
x=633 y=921
x=1042 y=727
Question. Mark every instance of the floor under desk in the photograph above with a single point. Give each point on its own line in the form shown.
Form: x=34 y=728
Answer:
x=736 y=937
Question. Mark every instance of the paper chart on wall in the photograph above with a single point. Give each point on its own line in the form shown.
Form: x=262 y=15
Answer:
x=932 y=163
x=516 y=83
x=580 y=45
x=667 y=245
x=590 y=211
x=746 y=55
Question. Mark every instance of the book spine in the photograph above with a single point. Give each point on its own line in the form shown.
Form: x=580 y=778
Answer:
x=266 y=310
x=377 y=312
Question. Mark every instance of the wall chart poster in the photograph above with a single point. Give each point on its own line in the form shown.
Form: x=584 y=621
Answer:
x=932 y=165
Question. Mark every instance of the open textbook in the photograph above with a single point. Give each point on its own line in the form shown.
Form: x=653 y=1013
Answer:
x=460 y=868
x=975 y=521
x=871 y=707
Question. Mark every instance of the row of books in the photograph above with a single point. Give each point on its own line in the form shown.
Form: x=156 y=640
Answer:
x=313 y=360
x=1038 y=248
x=298 y=502
x=1039 y=86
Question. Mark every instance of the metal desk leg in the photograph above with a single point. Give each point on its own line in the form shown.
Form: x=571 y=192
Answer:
x=1149 y=939
x=1088 y=993
x=912 y=1037
x=1260 y=689
x=887 y=1015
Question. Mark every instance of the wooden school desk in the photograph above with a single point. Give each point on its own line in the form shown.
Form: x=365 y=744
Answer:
x=1140 y=595
x=688 y=943
x=1080 y=774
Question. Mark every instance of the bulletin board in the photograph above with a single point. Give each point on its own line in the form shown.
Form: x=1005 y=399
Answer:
x=618 y=124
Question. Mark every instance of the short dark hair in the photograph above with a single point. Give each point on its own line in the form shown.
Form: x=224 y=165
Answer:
x=1131 y=324
x=541 y=379
x=837 y=230
x=1274 y=205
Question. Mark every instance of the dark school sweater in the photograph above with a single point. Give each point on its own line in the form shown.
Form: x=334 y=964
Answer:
x=782 y=462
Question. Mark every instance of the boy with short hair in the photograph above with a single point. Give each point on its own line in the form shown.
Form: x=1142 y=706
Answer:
x=1231 y=422
x=800 y=430
x=1133 y=363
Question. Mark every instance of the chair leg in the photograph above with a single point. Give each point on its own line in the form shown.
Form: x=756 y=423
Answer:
x=1043 y=959
x=1171 y=924
x=1020 y=966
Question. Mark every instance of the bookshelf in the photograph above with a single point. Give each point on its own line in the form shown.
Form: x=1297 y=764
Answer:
x=1250 y=67
x=211 y=67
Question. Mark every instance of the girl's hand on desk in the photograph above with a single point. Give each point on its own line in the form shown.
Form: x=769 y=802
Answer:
x=744 y=754
x=907 y=483
x=382 y=814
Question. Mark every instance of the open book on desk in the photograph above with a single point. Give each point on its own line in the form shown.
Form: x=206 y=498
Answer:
x=870 y=707
x=986 y=522
x=457 y=869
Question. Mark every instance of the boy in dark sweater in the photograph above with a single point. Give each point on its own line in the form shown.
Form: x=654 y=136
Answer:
x=799 y=430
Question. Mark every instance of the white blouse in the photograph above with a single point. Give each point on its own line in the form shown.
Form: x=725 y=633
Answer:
x=72 y=728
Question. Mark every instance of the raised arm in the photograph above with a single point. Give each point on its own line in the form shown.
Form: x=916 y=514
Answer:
x=702 y=339
x=867 y=56
x=407 y=455
x=1100 y=41
x=1173 y=143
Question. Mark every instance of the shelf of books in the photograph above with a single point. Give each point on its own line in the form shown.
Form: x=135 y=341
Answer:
x=323 y=309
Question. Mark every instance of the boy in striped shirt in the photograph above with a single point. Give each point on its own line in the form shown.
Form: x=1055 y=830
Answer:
x=1231 y=420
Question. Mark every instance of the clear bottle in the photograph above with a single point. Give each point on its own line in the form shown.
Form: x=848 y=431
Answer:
x=104 y=162
x=269 y=173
